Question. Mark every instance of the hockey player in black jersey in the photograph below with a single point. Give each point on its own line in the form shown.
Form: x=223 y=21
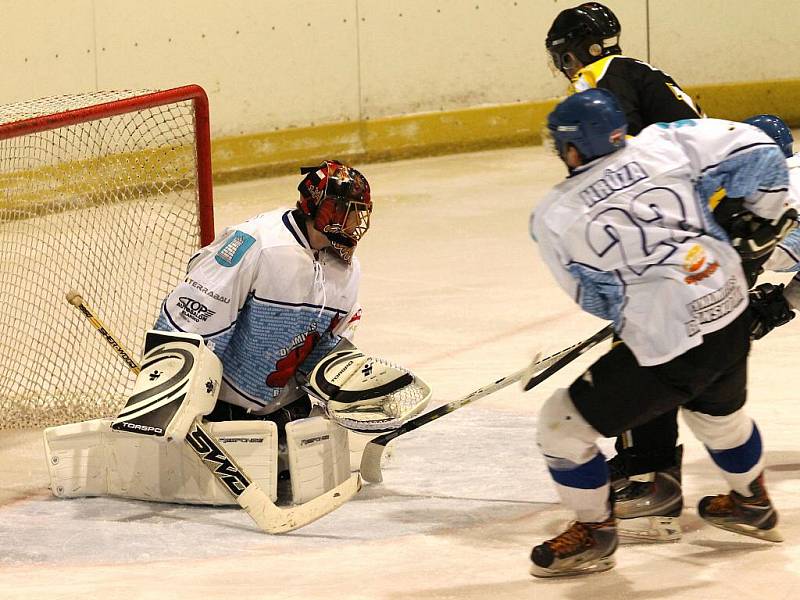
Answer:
x=583 y=43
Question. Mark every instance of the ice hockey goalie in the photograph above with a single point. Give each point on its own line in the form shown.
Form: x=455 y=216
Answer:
x=141 y=453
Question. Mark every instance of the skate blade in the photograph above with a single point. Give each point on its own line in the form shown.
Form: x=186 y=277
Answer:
x=649 y=529
x=768 y=535
x=597 y=565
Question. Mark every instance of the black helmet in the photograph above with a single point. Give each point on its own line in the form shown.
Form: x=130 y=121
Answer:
x=588 y=31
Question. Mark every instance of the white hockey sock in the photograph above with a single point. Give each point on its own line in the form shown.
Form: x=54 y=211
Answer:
x=576 y=464
x=734 y=444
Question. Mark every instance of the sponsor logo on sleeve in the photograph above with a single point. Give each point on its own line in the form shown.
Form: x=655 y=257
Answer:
x=208 y=292
x=193 y=310
x=234 y=249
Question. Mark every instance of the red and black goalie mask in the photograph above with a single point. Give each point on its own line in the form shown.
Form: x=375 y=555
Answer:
x=337 y=198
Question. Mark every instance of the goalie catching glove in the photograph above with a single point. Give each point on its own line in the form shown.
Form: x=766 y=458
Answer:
x=364 y=393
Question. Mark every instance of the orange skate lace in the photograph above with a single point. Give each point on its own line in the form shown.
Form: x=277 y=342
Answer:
x=575 y=537
x=721 y=503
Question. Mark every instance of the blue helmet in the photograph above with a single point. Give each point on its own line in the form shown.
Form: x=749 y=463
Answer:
x=775 y=128
x=592 y=121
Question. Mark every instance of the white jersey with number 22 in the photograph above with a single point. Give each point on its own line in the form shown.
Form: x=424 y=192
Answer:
x=631 y=238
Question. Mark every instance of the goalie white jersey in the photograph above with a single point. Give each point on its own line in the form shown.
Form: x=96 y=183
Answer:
x=266 y=304
x=631 y=238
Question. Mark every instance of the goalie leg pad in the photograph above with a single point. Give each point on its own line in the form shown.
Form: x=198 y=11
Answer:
x=76 y=458
x=319 y=457
x=178 y=383
x=253 y=444
x=358 y=442
x=89 y=459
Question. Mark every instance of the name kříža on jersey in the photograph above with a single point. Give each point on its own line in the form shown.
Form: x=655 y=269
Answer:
x=612 y=182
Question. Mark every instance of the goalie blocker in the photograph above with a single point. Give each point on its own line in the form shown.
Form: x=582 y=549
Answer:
x=136 y=454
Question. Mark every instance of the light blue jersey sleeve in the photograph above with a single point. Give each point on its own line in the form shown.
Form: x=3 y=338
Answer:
x=216 y=287
x=736 y=157
x=786 y=256
x=600 y=294
x=596 y=292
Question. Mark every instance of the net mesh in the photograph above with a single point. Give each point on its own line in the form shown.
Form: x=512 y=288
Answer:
x=107 y=207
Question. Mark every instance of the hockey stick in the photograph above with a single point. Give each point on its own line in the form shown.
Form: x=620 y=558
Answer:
x=532 y=375
x=269 y=517
x=551 y=364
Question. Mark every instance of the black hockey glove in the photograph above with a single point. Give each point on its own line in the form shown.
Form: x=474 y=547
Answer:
x=769 y=309
x=753 y=268
x=752 y=236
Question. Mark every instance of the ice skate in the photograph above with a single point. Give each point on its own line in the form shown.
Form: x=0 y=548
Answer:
x=649 y=506
x=583 y=548
x=749 y=515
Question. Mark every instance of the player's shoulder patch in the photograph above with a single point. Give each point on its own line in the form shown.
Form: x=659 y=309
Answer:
x=589 y=76
x=234 y=248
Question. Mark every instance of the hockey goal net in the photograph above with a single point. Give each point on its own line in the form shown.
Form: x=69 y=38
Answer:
x=108 y=194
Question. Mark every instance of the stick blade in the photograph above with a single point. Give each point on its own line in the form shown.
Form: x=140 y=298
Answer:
x=530 y=371
x=273 y=519
x=371 y=462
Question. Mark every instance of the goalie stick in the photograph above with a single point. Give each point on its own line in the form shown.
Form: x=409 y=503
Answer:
x=531 y=376
x=269 y=517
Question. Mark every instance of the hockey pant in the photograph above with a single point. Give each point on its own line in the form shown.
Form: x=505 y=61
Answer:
x=616 y=394
x=579 y=469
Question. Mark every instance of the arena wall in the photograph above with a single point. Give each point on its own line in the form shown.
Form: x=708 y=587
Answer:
x=291 y=82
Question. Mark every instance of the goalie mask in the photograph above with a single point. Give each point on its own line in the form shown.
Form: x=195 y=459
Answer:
x=365 y=393
x=337 y=199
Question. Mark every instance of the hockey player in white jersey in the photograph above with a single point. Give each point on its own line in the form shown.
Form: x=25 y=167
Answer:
x=276 y=292
x=786 y=256
x=630 y=237
x=262 y=321
x=770 y=303
x=274 y=295
x=649 y=506
x=268 y=297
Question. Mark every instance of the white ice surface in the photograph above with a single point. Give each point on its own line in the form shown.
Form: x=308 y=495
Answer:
x=454 y=289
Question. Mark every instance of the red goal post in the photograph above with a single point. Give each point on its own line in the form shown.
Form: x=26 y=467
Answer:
x=107 y=193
